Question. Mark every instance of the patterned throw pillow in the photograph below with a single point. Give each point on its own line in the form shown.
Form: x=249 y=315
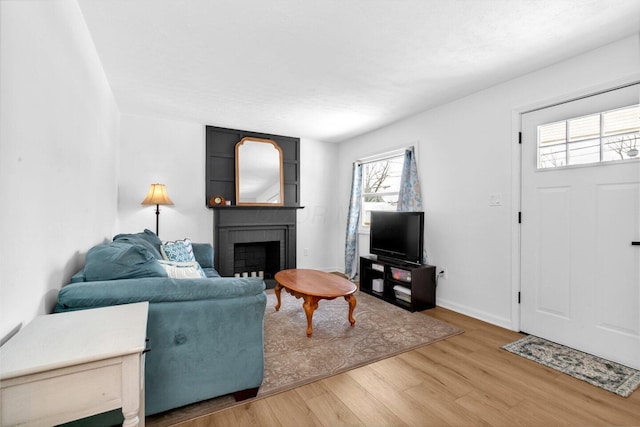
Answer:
x=179 y=250
x=183 y=270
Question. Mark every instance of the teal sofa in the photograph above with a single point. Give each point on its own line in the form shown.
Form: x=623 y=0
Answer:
x=205 y=334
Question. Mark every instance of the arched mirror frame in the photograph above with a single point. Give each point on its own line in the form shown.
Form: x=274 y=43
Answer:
x=281 y=171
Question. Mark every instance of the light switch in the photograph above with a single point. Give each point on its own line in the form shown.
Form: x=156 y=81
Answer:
x=495 y=199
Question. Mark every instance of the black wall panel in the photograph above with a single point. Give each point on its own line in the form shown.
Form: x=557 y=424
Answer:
x=220 y=163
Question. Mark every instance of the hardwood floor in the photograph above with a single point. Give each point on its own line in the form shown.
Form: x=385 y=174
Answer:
x=466 y=380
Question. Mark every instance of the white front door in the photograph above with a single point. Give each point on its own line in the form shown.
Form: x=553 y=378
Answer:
x=580 y=283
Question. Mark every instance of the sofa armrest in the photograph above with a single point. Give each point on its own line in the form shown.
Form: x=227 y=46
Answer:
x=84 y=295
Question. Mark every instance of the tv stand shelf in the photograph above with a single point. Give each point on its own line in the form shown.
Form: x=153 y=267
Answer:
x=418 y=282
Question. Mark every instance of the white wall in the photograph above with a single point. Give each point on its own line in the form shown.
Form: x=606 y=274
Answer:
x=467 y=150
x=173 y=153
x=318 y=184
x=58 y=154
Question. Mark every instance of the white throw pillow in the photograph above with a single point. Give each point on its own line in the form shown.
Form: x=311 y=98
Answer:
x=183 y=270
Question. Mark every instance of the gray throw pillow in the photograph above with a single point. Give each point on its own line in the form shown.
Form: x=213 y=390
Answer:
x=147 y=238
x=121 y=260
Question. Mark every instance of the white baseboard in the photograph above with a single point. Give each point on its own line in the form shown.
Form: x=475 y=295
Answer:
x=503 y=322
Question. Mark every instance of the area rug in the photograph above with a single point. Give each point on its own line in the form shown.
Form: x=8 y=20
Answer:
x=611 y=376
x=292 y=359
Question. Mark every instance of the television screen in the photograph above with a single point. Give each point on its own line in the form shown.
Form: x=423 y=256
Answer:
x=397 y=235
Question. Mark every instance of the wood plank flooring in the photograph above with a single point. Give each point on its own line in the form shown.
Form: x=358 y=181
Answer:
x=466 y=380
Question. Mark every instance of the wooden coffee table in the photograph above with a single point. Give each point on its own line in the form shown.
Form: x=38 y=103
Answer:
x=312 y=286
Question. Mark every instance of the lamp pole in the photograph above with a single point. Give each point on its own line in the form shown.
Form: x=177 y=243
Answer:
x=157 y=219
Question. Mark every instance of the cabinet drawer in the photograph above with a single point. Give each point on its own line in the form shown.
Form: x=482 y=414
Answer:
x=62 y=396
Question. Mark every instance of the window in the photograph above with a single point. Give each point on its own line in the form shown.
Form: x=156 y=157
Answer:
x=380 y=185
x=601 y=137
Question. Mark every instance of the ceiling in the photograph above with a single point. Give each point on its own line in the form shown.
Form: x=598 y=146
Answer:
x=332 y=69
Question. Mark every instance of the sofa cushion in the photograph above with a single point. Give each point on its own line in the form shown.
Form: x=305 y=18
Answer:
x=203 y=253
x=147 y=238
x=182 y=270
x=178 y=250
x=121 y=260
x=210 y=272
x=78 y=277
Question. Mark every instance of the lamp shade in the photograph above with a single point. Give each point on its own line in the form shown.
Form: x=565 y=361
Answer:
x=157 y=196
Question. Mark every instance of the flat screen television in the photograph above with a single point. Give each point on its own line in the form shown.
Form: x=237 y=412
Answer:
x=397 y=235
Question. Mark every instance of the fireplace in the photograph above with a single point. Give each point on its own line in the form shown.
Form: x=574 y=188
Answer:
x=253 y=240
x=261 y=259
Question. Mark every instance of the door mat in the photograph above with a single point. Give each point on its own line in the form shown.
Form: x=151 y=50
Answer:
x=608 y=375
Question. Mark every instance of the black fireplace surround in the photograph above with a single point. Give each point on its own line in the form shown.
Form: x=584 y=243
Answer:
x=254 y=239
x=251 y=238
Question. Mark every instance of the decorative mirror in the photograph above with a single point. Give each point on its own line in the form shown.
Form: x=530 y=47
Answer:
x=259 y=180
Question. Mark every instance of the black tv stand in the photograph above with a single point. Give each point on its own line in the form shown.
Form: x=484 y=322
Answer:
x=418 y=279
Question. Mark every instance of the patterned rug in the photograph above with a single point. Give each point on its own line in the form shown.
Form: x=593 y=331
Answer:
x=611 y=376
x=292 y=359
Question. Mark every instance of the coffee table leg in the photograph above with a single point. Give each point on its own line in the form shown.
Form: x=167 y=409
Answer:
x=310 y=305
x=277 y=290
x=352 y=305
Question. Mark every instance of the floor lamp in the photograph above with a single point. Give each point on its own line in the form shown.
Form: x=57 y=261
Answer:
x=157 y=196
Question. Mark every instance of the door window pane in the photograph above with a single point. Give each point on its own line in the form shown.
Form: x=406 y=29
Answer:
x=603 y=137
x=584 y=128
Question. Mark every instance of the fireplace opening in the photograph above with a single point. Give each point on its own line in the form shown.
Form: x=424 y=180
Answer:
x=256 y=258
